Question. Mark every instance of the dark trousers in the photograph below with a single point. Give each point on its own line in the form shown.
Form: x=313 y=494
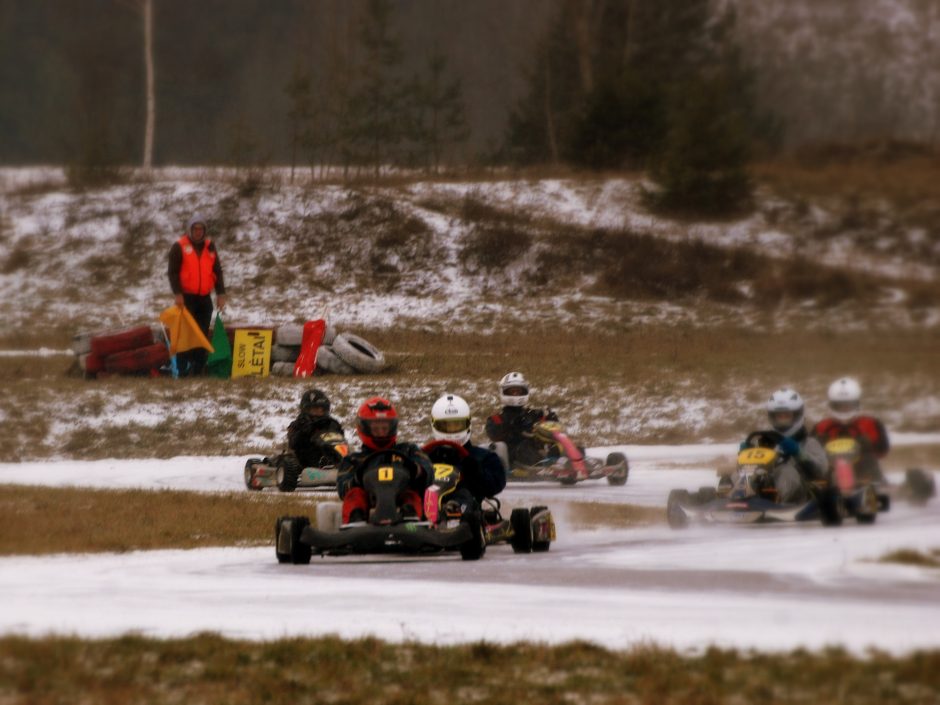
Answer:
x=193 y=362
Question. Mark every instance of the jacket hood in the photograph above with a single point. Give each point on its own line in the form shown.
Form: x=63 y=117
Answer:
x=197 y=220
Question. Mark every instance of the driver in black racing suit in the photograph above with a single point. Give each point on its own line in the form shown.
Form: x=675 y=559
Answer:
x=510 y=430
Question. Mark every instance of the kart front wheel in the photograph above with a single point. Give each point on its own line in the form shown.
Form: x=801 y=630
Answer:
x=831 y=507
x=287 y=474
x=521 y=522
x=289 y=548
x=475 y=547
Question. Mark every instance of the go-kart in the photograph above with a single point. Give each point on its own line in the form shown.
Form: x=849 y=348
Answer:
x=563 y=461
x=284 y=472
x=748 y=496
x=848 y=463
x=864 y=498
x=384 y=476
x=527 y=530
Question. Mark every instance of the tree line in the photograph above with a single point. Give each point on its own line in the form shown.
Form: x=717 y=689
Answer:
x=676 y=88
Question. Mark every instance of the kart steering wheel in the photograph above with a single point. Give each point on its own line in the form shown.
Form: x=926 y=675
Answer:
x=765 y=439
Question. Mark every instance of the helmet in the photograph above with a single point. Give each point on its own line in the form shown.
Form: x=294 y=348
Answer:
x=785 y=411
x=845 y=398
x=450 y=419
x=315 y=399
x=377 y=424
x=514 y=390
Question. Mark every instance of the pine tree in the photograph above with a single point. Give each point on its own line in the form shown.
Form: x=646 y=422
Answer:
x=439 y=113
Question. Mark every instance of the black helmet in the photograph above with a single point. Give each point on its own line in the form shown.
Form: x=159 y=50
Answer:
x=313 y=398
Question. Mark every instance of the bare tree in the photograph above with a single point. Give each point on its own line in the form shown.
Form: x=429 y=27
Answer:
x=151 y=95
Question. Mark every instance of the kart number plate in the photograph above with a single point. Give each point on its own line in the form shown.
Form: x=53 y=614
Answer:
x=386 y=474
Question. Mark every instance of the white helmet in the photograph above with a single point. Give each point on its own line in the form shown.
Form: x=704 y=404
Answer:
x=450 y=419
x=514 y=390
x=845 y=398
x=785 y=411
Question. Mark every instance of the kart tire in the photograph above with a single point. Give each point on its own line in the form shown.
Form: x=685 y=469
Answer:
x=569 y=481
x=327 y=361
x=287 y=473
x=81 y=343
x=706 y=495
x=521 y=522
x=920 y=485
x=288 y=335
x=618 y=479
x=299 y=552
x=674 y=514
x=867 y=512
x=329 y=516
x=282 y=556
x=250 y=473
x=358 y=353
x=285 y=353
x=831 y=507
x=539 y=546
x=473 y=549
x=329 y=335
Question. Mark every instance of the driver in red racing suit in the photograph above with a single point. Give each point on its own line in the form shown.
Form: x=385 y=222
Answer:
x=847 y=421
x=377 y=426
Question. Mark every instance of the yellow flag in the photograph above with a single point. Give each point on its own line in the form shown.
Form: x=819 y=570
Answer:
x=184 y=331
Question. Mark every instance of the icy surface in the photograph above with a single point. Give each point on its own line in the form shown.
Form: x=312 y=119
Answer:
x=770 y=588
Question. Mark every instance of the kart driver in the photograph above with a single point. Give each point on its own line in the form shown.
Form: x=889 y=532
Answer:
x=482 y=473
x=847 y=421
x=510 y=430
x=804 y=459
x=313 y=421
x=377 y=426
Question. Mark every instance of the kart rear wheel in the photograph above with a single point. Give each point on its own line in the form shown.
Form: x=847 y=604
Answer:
x=539 y=546
x=618 y=478
x=250 y=473
x=868 y=507
x=473 y=549
x=521 y=522
x=287 y=473
x=290 y=529
x=674 y=513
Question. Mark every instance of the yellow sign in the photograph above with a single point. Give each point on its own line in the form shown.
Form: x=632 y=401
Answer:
x=386 y=474
x=251 y=354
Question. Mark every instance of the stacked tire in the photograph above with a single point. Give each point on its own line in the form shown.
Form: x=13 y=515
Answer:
x=140 y=350
x=339 y=353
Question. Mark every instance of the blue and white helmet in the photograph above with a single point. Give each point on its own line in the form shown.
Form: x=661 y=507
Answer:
x=785 y=411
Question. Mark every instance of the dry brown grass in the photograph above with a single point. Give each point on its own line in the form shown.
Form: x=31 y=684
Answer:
x=204 y=668
x=595 y=515
x=41 y=520
x=905 y=182
x=930 y=559
x=626 y=386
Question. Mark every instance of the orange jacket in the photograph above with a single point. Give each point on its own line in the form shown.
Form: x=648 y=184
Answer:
x=197 y=272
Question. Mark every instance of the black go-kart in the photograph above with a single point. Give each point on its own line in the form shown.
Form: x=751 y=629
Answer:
x=384 y=476
x=285 y=472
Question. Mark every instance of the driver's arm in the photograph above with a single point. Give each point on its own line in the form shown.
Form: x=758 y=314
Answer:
x=813 y=460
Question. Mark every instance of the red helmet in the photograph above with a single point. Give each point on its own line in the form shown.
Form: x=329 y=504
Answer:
x=377 y=424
